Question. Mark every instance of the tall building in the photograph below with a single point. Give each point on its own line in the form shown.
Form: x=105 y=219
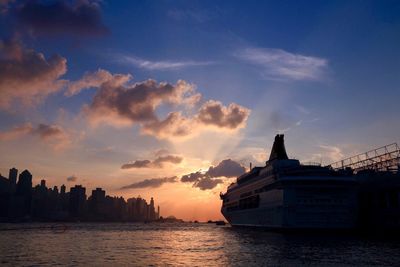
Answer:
x=131 y=204
x=77 y=199
x=62 y=190
x=97 y=203
x=12 y=176
x=24 y=185
x=98 y=194
x=152 y=212
x=24 y=193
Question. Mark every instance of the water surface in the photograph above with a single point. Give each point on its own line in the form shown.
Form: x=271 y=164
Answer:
x=154 y=244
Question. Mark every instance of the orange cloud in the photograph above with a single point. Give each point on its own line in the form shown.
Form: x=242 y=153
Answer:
x=215 y=114
x=121 y=104
x=211 y=115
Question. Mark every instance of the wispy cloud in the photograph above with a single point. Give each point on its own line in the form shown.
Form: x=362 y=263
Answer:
x=161 y=65
x=159 y=162
x=278 y=64
x=151 y=183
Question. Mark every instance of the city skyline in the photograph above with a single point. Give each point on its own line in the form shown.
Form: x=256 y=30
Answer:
x=174 y=100
x=21 y=201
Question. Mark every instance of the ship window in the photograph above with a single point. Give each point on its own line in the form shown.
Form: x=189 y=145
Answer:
x=249 y=202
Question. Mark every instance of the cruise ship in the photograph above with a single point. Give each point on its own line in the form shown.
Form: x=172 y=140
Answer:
x=286 y=194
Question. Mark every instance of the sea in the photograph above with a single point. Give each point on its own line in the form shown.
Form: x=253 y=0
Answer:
x=186 y=244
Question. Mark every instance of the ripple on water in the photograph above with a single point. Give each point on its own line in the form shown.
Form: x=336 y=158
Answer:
x=186 y=244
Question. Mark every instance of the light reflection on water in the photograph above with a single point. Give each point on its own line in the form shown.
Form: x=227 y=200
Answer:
x=185 y=245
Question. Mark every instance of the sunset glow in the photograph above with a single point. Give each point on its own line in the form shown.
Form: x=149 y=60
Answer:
x=174 y=100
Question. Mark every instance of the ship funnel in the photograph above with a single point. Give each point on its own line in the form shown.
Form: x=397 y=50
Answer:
x=278 y=150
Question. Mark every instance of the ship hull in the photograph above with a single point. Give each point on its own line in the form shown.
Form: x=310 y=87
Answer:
x=293 y=205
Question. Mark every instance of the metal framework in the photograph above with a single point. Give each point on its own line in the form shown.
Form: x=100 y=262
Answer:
x=386 y=158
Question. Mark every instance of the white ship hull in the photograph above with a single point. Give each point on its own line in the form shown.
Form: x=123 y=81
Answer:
x=361 y=192
x=322 y=204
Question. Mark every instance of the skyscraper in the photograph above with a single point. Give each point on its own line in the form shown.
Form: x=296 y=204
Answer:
x=77 y=199
x=24 y=192
x=152 y=212
x=24 y=185
x=12 y=176
x=62 y=189
x=97 y=202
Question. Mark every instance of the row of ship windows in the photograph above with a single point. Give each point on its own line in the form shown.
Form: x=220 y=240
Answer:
x=246 y=203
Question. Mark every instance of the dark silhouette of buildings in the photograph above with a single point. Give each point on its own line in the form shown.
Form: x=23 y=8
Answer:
x=20 y=202
x=24 y=193
x=12 y=176
x=77 y=200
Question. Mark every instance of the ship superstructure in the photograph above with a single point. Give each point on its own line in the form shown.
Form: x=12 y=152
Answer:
x=285 y=194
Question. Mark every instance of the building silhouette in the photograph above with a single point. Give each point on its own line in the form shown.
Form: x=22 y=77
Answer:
x=77 y=199
x=63 y=188
x=24 y=193
x=12 y=176
x=20 y=202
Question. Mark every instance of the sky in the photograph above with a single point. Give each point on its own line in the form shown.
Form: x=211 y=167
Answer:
x=174 y=99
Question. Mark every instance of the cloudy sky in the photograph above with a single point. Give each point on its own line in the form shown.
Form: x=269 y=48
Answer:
x=173 y=99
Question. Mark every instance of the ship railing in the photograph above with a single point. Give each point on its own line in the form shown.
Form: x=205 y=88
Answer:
x=386 y=158
x=311 y=163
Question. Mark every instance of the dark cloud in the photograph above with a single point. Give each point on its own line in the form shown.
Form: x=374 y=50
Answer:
x=211 y=113
x=26 y=75
x=161 y=152
x=174 y=125
x=48 y=131
x=72 y=178
x=157 y=163
x=231 y=117
x=207 y=183
x=167 y=159
x=192 y=177
x=119 y=103
x=53 y=135
x=137 y=164
x=204 y=181
x=81 y=18
x=153 y=183
x=226 y=168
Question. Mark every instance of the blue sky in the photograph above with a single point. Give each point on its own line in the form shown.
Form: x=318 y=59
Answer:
x=325 y=73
